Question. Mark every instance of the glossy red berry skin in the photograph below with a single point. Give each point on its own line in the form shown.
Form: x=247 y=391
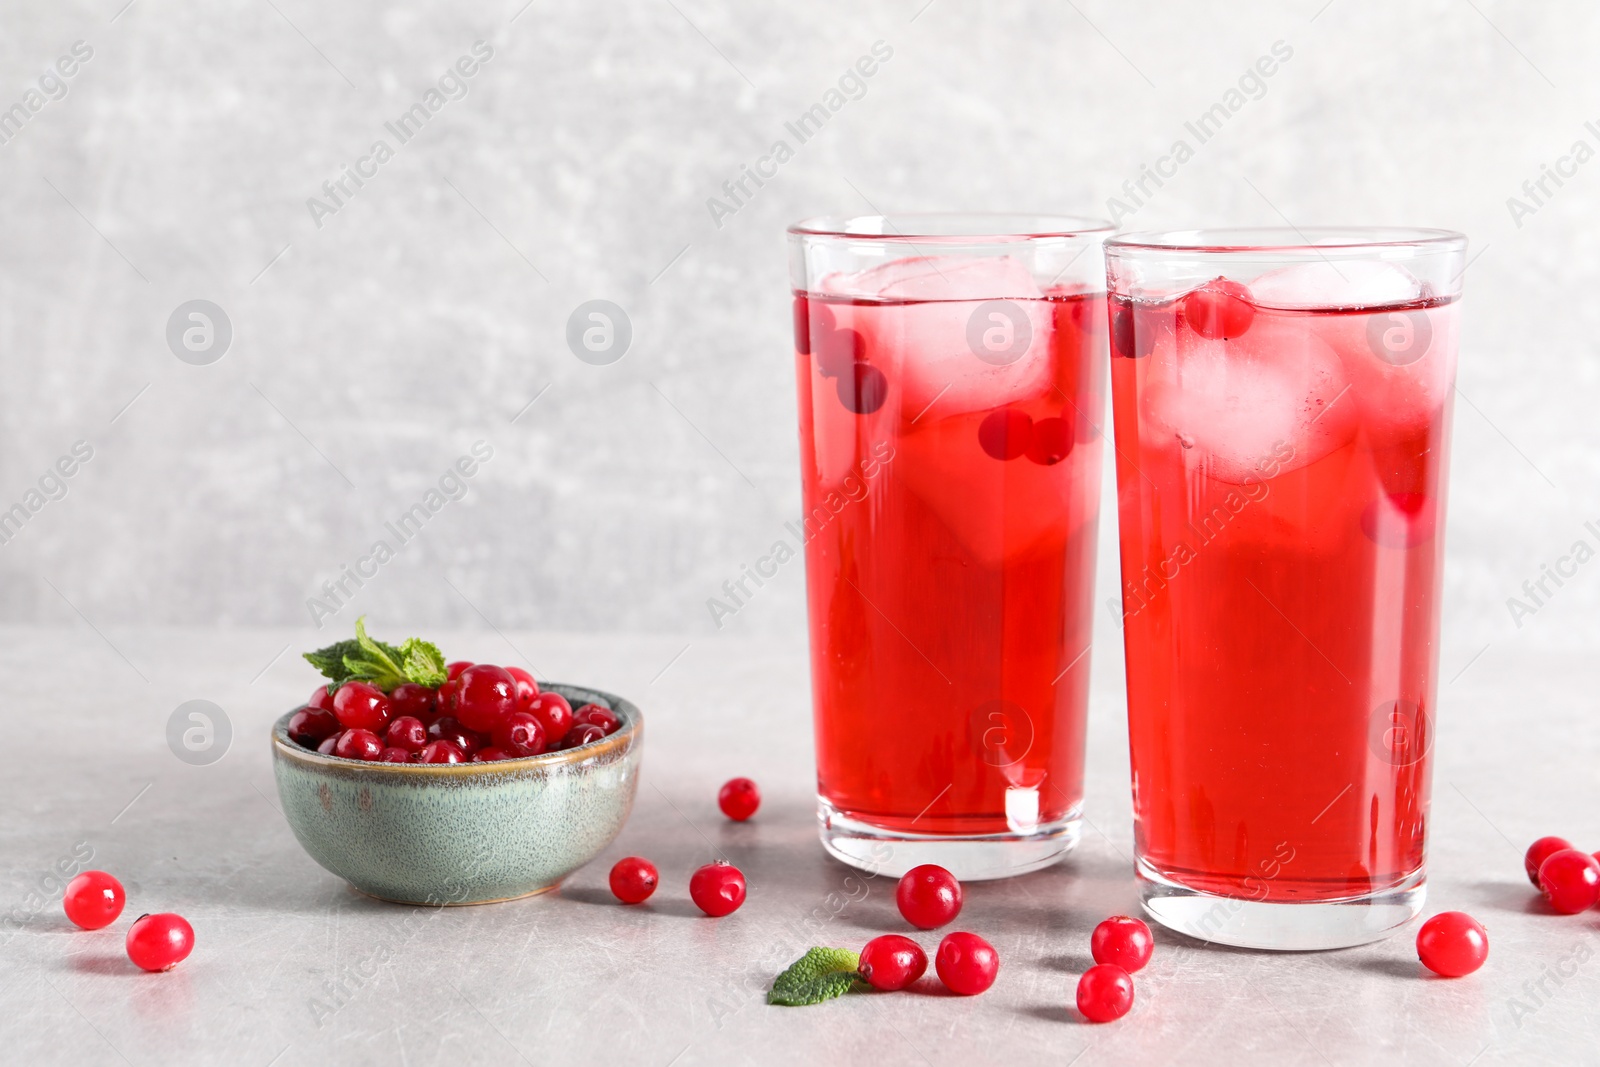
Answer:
x=358 y=744
x=452 y=671
x=488 y=695
x=633 y=879
x=489 y=755
x=93 y=900
x=447 y=700
x=892 y=962
x=604 y=718
x=1570 y=880
x=1219 y=310
x=929 y=896
x=739 y=798
x=1105 y=993
x=1452 y=944
x=448 y=729
x=320 y=698
x=160 y=942
x=441 y=752
x=309 y=726
x=717 y=889
x=415 y=701
x=519 y=734
x=360 y=706
x=1540 y=851
x=394 y=755
x=553 y=713
x=527 y=688
x=967 y=964
x=407 y=733
x=1123 y=941
x=579 y=736
x=326 y=747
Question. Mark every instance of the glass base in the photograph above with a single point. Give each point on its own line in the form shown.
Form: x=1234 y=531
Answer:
x=971 y=858
x=1280 y=926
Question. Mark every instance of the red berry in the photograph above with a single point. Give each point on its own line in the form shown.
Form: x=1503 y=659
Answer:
x=863 y=388
x=837 y=350
x=489 y=755
x=441 y=752
x=416 y=701
x=553 y=713
x=1570 y=880
x=1219 y=310
x=448 y=729
x=582 y=735
x=326 y=747
x=893 y=962
x=717 y=889
x=1540 y=851
x=447 y=700
x=394 y=755
x=1051 y=442
x=1004 y=433
x=452 y=671
x=406 y=733
x=634 y=878
x=160 y=942
x=1452 y=944
x=488 y=695
x=1105 y=992
x=320 y=698
x=929 y=896
x=519 y=734
x=1123 y=941
x=358 y=744
x=738 y=798
x=360 y=706
x=527 y=688
x=93 y=900
x=309 y=726
x=602 y=717
x=967 y=964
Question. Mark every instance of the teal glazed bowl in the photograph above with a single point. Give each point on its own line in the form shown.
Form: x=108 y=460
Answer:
x=462 y=833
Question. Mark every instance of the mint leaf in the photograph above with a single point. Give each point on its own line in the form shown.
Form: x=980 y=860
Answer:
x=330 y=660
x=423 y=662
x=821 y=974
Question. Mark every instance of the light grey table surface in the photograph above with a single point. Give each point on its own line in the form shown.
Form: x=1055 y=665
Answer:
x=573 y=978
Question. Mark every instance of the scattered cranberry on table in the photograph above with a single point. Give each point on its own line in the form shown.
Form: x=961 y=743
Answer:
x=634 y=878
x=739 y=798
x=1105 y=993
x=717 y=889
x=892 y=962
x=967 y=964
x=1540 y=851
x=160 y=942
x=928 y=896
x=1123 y=941
x=1452 y=944
x=1570 y=880
x=93 y=900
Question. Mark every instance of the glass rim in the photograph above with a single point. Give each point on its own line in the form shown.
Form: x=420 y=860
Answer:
x=1289 y=240
x=955 y=226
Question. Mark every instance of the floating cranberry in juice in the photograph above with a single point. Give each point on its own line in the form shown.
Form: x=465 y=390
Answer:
x=950 y=412
x=1282 y=433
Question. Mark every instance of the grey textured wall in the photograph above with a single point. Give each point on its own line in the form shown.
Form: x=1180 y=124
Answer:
x=373 y=345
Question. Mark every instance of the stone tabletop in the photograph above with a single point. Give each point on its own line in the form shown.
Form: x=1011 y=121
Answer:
x=293 y=967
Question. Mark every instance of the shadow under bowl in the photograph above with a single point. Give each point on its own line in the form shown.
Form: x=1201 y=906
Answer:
x=462 y=833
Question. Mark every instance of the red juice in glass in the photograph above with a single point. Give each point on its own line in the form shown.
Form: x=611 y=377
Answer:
x=950 y=404
x=1282 y=434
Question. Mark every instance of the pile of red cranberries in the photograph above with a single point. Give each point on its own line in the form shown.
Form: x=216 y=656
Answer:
x=930 y=897
x=481 y=714
x=93 y=901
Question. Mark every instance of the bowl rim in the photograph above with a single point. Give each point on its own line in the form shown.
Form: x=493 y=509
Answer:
x=627 y=734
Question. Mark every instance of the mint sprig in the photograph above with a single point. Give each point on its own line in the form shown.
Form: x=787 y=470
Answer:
x=365 y=659
x=821 y=974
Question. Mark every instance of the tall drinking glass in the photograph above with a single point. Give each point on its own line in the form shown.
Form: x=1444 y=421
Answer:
x=951 y=387
x=1282 y=407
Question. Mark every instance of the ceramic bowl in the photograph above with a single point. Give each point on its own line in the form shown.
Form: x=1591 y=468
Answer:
x=462 y=833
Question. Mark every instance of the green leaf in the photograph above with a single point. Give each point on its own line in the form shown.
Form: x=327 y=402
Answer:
x=423 y=662
x=330 y=660
x=821 y=974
